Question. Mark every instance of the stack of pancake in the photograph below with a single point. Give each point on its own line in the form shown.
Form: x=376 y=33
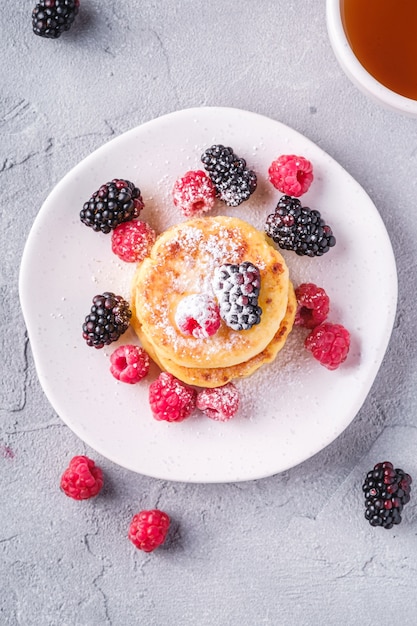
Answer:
x=182 y=262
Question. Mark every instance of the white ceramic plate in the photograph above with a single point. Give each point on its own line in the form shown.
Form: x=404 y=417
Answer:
x=289 y=410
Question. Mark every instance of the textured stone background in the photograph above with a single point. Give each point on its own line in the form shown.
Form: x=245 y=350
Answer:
x=292 y=549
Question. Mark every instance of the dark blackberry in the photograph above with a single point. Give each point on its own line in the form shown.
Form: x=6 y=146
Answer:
x=298 y=228
x=237 y=290
x=233 y=181
x=108 y=319
x=50 y=18
x=386 y=492
x=115 y=202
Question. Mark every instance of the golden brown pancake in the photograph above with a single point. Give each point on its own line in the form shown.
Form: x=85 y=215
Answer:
x=216 y=377
x=182 y=262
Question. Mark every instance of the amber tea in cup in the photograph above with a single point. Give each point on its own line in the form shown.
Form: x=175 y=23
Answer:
x=383 y=37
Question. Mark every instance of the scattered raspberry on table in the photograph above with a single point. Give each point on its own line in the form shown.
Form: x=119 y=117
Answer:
x=82 y=479
x=329 y=344
x=291 y=174
x=170 y=399
x=148 y=529
x=129 y=364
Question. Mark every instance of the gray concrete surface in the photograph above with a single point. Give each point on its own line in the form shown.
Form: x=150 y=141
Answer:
x=292 y=549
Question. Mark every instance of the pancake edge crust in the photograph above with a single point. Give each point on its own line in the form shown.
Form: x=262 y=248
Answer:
x=217 y=377
x=182 y=262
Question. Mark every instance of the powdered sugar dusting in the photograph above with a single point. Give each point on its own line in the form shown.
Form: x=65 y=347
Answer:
x=191 y=236
x=198 y=315
x=194 y=193
x=224 y=244
x=220 y=404
x=184 y=265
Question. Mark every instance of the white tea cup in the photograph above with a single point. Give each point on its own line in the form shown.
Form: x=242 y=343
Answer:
x=355 y=70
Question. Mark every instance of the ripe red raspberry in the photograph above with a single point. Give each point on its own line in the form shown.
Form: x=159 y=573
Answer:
x=148 y=529
x=170 y=399
x=329 y=344
x=129 y=364
x=82 y=479
x=194 y=193
x=291 y=174
x=132 y=241
x=313 y=305
x=198 y=315
x=219 y=403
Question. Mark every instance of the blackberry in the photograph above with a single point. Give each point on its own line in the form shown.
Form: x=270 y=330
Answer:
x=115 y=202
x=386 y=492
x=108 y=319
x=298 y=228
x=237 y=289
x=50 y=18
x=233 y=181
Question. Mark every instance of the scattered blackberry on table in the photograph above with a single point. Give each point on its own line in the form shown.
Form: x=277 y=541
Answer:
x=237 y=289
x=313 y=305
x=329 y=344
x=50 y=18
x=194 y=193
x=298 y=228
x=108 y=319
x=386 y=491
x=233 y=181
x=291 y=174
x=148 y=529
x=82 y=479
x=113 y=203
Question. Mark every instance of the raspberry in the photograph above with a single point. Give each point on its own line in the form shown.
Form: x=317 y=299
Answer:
x=129 y=364
x=291 y=174
x=108 y=319
x=219 y=403
x=386 y=491
x=148 y=529
x=115 y=202
x=198 y=315
x=82 y=479
x=233 y=181
x=194 y=193
x=329 y=344
x=170 y=399
x=237 y=289
x=50 y=18
x=312 y=305
x=132 y=241
x=298 y=228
